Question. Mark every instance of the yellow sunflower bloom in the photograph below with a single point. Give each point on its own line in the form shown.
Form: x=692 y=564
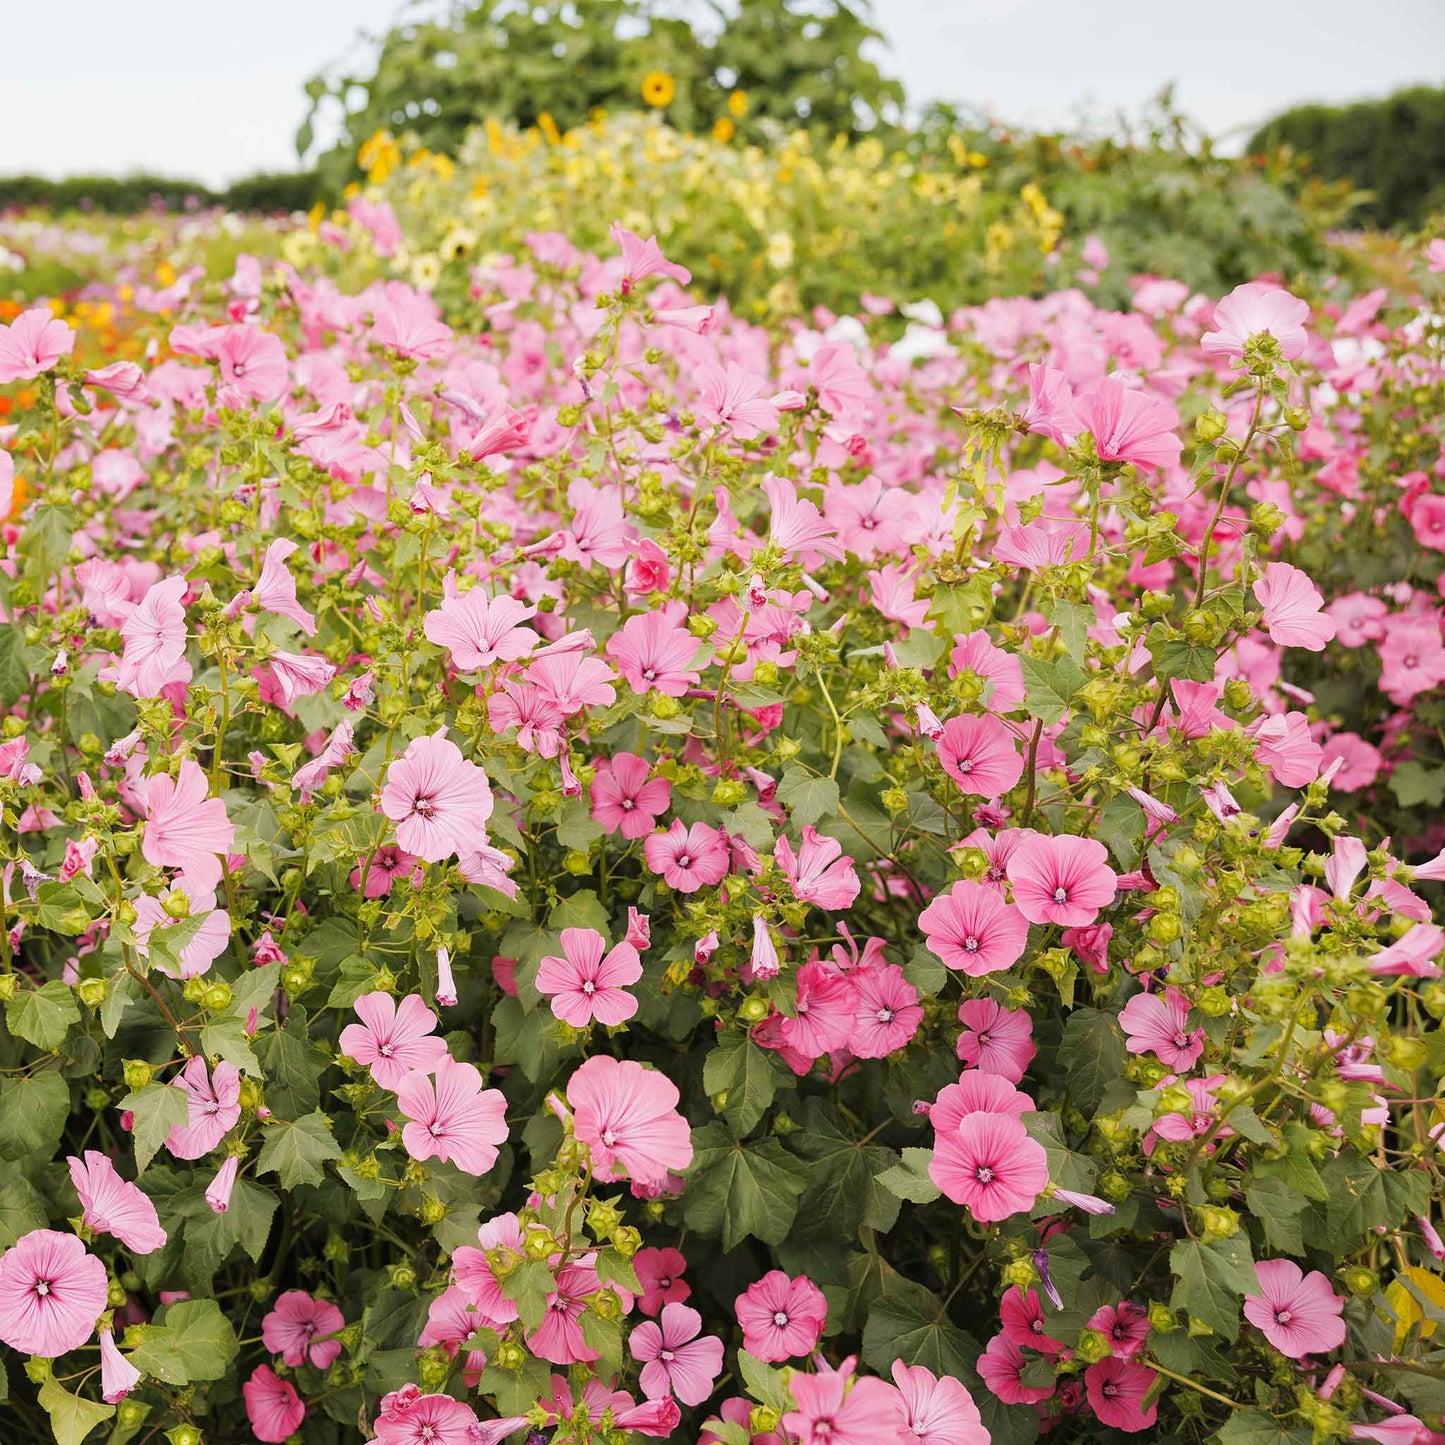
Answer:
x=658 y=88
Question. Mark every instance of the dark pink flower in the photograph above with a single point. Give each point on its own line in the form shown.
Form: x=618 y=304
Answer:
x=819 y=872
x=980 y=755
x=272 y=1406
x=626 y=798
x=660 y=1273
x=298 y=1328
x=1116 y=1392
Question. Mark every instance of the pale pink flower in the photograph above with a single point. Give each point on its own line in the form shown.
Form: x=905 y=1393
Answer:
x=1158 y=1025
x=340 y=748
x=407 y=323
x=185 y=827
x=218 y=1192
x=1298 y=1313
x=971 y=928
x=118 y=1377
x=154 y=634
x=1001 y=672
x=1064 y=880
x=1358 y=618
x=1129 y=425
x=503 y=431
x=1041 y=544
x=829 y=1413
x=940 y=1410
x=1255 y=309
x=627 y=1116
x=299 y=674
x=1116 y=1389
x=819 y=873
x=253 y=362
x=33 y=343
x=995 y=1039
x=584 y=986
x=51 y=1293
x=797 y=527
x=1285 y=746
x=213 y=1104
x=649 y=569
x=1050 y=409
x=655 y=652
x=275 y=590
x=297 y=1327
x=439 y=801
x=446 y=994
x=688 y=858
x=626 y=798
x=732 y=397
x=1292 y=606
x=991 y=1166
x=980 y=755
x=479 y=630
x=206 y=944
x=273 y=1407
x=674 y=1360
x=452 y=1116
x=641 y=259
x=112 y=1205
x=1411 y=657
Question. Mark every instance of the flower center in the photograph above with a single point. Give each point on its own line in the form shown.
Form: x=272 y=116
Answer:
x=666 y=1356
x=1181 y=1039
x=983 y=1174
x=684 y=860
x=1061 y=894
x=780 y=1319
x=608 y=1137
x=970 y=944
x=42 y=1287
x=1110 y=1390
x=424 y=807
x=589 y=988
x=1282 y=1317
x=628 y=805
x=885 y=1016
x=965 y=765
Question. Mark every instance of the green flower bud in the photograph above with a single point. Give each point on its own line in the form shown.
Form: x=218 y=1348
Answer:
x=577 y=863
x=400 y=1276
x=91 y=992
x=665 y=708
x=1093 y=1346
x=1161 y=1318
x=753 y=1009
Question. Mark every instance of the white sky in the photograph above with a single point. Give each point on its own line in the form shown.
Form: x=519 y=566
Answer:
x=211 y=89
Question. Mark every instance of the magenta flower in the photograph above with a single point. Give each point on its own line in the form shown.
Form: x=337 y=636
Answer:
x=1116 y=1392
x=819 y=872
x=478 y=630
x=939 y=1408
x=51 y=1293
x=660 y=1273
x=1292 y=608
x=452 y=1116
x=971 y=928
x=383 y=867
x=439 y=801
x=886 y=1011
x=393 y=1039
x=118 y=1377
x=829 y=1413
x=980 y=755
x=1255 y=309
x=627 y=1116
x=33 y=343
x=408 y=1417
x=559 y=1337
x=272 y=1406
x=1159 y=1026
x=674 y=1360
x=1126 y=1325
x=995 y=1039
x=977 y=1093
x=185 y=827
x=297 y=1326
x=1021 y=1313
x=626 y=798
x=1001 y=1368
x=1129 y=425
x=213 y=1103
x=688 y=858
x=584 y=986
x=824 y=1009
x=1064 y=880
x=655 y=652
x=1298 y=1313
x=991 y=1166
x=112 y=1205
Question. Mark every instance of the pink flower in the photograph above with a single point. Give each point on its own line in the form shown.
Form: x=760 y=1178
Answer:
x=1298 y=1313
x=782 y=1318
x=977 y=1092
x=1411 y=657
x=439 y=801
x=297 y=1326
x=503 y=431
x=120 y=378
x=51 y=1293
x=213 y=1104
x=1255 y=309
x=410 y=1418
x=991 y=1166
x=819 y=873
x=453 y=1117
x=297 y=674
x=1158 y=1026
x=154 y=634
x=340 y=747
x=479 y=630
x=940 y=1410
x=797 y=527
x=1022 y=1316
x=1050 y=409
x=185 y=827
x=1292 y=606
x=995 y=1039
x=829 y=1413
x=1284 y=745
x=393 y=1039
x=626 y=798
x=276 y=590
x=1126 y=1325
x=1116 y=1392
x=206 y=945
x=980 y=755
x=113 y=1205
x=886 y=1012
x=218 y=1192
x=1360 y=761
x=649 y=570
x=583 y=986
x=1129 y=425
x=118 y=1377
x=824 y=1011
x=732 y=397
x=688 y=858
x=659 y=1271
x=33 y=343
x=1358 y=618
x=971 y=928
x=559 y=1337
x=655 y=651
x=253 y=362
x=627 y=1116
x=674 y=1361
x=1064 y=880
x=1001 y=1368
x=1001 y=672
x=272 y=1406
x=641 y=259
x=383 y=867
x=406 y=323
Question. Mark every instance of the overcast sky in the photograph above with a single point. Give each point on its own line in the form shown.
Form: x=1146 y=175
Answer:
x=211 y=89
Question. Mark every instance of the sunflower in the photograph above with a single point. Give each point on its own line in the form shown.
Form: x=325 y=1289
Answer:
x=658 y=88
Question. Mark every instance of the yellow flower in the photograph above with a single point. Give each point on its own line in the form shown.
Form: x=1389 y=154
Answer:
x=379 y=156
x=658 y=88
x=548 y=127
x=723 y=129
x=738 y=104
x=166 y=274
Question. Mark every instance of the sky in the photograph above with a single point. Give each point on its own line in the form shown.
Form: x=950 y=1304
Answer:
x=212 y=89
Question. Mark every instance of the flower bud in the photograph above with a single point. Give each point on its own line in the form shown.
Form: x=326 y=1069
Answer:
x=1093 y=1346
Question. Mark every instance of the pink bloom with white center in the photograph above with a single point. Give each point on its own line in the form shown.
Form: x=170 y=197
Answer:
x=1360 y=761
x=118 y=1377
x=185 y=827
x=408 y=1417
x=297 y=1328
x=1159 y=1025
x=1129 y=425
x=407 y=323
x=971 y=928
x=991 y=1166
x=1040 y=544
x=253 y=362
x=688 y=858
x=1359 y=619
x=886 y=1012
x=995 y=1039
x=1292 y=606
x=559 y=1337
x=626 y=798
x=977 y=1093
x=830 y=1413
x=1298 y=1313
x=782 y=1318
x=980 y=755
x=939 y=1408
x=819 y=873
x=154 y=634
x=452 y=1116
x=824 y=1011
x=1064 y=880
x=213 y=1103
x=478 y=630
x=1255 y=309
x=584 y=986
x=660 y=1273
x=1412 y=658
x=674 y=1360
x=112 y=1205
x=1116 y=1389
x=655 y=652
x=627 y=1116
x=33 y=343
x=439 y=801
x=273 y=1407
x=51 y=1293
x=393 y=1039
x=731 y=396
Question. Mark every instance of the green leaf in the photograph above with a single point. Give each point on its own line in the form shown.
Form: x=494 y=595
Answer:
x=158 y=1108
x=738 y=1189
x=1050 y=686
x=21 y=1209
x=807 y=797
x=1414 y=785
x=528 y=1286
x=843 y=1191
x=1182 y=659
x=294 y=1065
x=193 y=1341
x=1211 y=1279
x=748 y=1075
x=18 y=663
x=46 y=542
x=43 y=1015
x=33 y=1113
x=1278 y=1209
x=765 y=1384
x=297 y=1151
x=910 y=1178
x=908 y=1322
x=1254 y=1427
x=1093 y=1055
x=71 y=1418
x=1067 y=1169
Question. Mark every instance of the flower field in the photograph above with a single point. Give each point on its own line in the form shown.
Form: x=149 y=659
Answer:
x=584 y=863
